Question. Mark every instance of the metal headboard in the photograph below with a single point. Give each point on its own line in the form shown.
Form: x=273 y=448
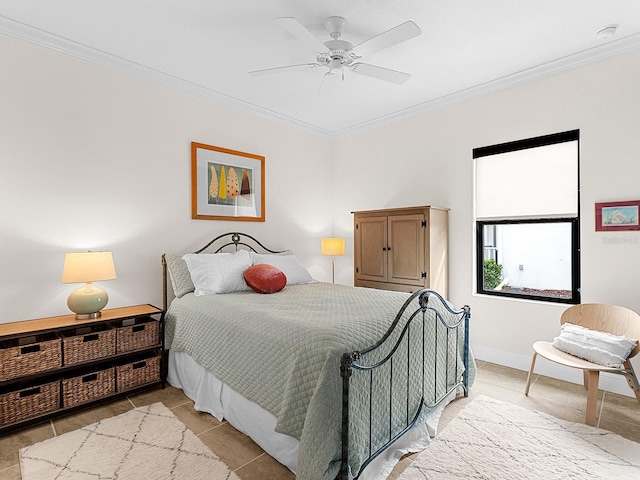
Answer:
x=235 y=239
x=217 y=245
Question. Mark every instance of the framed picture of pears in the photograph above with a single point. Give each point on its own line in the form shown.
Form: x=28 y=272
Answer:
x=226 y=184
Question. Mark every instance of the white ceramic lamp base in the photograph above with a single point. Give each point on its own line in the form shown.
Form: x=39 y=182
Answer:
x=87 y=301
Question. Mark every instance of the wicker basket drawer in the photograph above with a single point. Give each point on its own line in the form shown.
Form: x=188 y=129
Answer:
x=140 y=371
x=31 y=402
x=136 y=333
x=88 y=386
x=83 y=344
x=29 y=355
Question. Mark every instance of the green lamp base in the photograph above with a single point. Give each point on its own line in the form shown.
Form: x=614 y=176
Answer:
x=87 y=301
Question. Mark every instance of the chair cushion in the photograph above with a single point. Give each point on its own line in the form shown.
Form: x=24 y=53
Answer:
x=598 y=347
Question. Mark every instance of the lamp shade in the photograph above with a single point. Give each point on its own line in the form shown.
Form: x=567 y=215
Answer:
x=333 y=246
x=82 y=267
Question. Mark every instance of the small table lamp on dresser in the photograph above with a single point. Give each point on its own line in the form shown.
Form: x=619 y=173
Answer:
x=79 y=267
x=333 y=247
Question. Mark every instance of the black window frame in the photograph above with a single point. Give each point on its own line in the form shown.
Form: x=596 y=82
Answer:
x=568 y=136
x=575 y=260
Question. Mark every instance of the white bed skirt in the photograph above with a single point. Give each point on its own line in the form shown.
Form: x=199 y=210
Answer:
x=212 y=396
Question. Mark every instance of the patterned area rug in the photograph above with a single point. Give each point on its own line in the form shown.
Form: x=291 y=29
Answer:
x=491 y=439
x=144 y=443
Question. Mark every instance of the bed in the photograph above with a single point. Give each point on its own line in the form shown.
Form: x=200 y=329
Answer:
x=333 y=381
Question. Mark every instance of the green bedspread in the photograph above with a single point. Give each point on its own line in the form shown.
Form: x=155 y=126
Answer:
x=282 y=351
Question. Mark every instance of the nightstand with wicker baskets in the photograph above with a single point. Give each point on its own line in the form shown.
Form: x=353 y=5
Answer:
x=52 y=366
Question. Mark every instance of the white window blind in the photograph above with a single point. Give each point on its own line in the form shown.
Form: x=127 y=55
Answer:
x=538 y=182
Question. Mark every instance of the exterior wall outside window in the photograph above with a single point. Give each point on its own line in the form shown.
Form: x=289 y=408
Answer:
x=543 y=252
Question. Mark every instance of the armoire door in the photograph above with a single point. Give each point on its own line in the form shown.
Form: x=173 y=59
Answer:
x=406 y=249
x=371 y=248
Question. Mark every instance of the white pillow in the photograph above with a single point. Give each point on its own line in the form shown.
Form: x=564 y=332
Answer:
x=598 y=347
x=289 y=265
x=218 y=272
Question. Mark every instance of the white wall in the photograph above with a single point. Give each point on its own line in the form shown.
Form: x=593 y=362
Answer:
x=535 y=256
x=427 y=160
x=94 y=159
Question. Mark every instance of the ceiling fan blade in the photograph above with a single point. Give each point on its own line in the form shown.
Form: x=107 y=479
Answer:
x=381 y=73
x=399 y=34
x=296 y=29
x=299 y=67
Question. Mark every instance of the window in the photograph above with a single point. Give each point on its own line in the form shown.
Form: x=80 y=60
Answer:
x=527 y=218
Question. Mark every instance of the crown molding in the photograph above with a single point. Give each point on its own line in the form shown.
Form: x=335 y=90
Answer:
x=69 y=47
x=570 y=62
x=75 y=49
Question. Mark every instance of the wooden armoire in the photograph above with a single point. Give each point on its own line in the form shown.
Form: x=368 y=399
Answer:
x=403 y=249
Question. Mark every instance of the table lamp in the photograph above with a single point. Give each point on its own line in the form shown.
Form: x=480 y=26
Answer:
x=333 y=247
x=87 y=301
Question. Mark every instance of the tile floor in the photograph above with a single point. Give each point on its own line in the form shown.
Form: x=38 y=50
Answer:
x=616 y=413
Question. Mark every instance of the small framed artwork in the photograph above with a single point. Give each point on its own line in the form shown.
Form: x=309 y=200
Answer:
x=226 y=184
x=612 y=216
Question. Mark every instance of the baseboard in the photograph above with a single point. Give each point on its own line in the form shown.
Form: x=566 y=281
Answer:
x=608 y=382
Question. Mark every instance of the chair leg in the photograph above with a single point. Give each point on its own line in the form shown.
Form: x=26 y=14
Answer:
x=529 y=377
x=585 y=376
x=632 y=379
x=592 y=397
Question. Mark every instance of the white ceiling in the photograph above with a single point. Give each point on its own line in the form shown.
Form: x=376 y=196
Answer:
x=207 y=48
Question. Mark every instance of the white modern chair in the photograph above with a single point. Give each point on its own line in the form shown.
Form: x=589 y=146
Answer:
x=605 y=318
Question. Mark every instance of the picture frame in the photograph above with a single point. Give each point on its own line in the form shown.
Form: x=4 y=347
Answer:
x=617 y=216
x=226 y=184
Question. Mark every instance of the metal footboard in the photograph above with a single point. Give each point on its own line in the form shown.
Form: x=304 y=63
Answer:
x=391 y=387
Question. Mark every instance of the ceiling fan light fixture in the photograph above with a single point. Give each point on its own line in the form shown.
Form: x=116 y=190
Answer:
x=334 y=64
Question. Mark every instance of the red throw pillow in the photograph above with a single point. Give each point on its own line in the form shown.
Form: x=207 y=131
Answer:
x=265 y=278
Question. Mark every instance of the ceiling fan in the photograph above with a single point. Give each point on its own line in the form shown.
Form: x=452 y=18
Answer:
x=337 y=54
